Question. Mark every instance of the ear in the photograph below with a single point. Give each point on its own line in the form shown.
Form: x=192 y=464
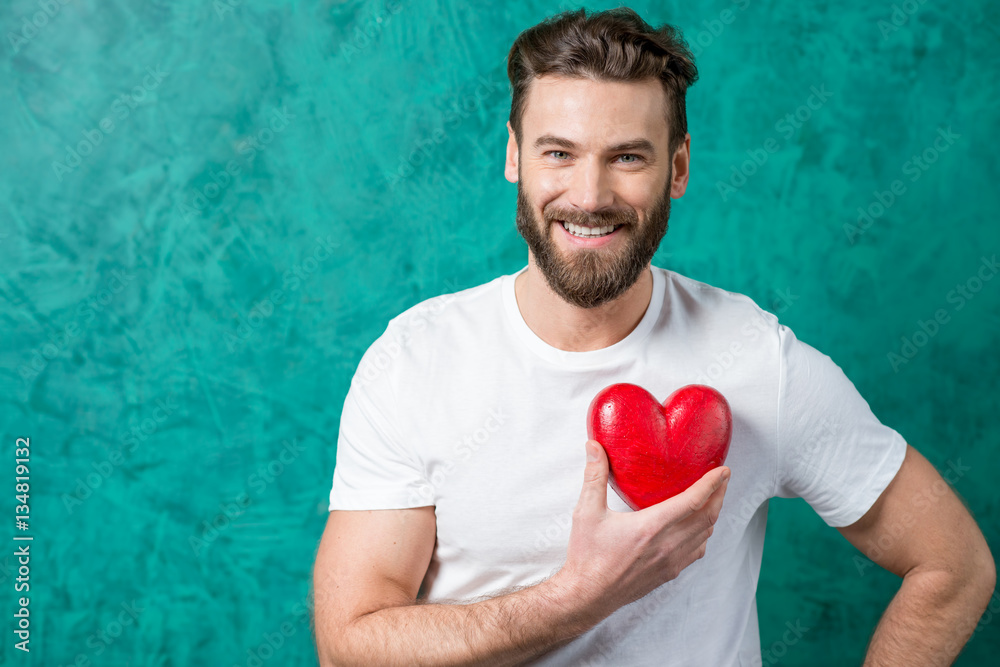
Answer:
x=510 y=167
x=682 y=168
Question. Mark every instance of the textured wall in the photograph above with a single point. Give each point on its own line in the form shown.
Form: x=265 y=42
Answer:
x=209 y=210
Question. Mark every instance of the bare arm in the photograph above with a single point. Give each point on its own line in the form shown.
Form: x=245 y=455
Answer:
x=506 y=629
x=920 y=530
x=366 y=612
x=370 y=564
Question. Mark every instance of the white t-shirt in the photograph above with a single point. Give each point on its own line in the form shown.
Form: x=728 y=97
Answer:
x=458 y=404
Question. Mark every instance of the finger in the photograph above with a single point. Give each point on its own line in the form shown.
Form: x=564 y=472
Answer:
x=594 y=494
x=714 y=505
x=695 y=537
x=692 y=499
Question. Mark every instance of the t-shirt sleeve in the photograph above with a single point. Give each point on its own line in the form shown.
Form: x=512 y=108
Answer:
x=832 y=450
x=376 y=467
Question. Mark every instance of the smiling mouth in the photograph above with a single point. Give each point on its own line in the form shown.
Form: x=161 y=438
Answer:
x=588 y=232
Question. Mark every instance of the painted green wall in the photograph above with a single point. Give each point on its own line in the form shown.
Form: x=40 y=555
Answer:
x=170 y=329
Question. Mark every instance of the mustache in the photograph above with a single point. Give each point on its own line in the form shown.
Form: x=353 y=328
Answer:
x=617 y=216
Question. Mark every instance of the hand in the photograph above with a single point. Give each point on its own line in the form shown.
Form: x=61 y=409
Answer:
x=615 y=558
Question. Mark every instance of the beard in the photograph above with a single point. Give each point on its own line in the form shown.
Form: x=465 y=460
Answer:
x=590 y=277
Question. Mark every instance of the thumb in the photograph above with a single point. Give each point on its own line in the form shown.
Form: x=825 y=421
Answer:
x=594 y=494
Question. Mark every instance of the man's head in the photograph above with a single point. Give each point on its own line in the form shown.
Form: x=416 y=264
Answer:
x=598 y=138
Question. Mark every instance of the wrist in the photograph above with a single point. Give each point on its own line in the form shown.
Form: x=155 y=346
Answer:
x=579 y=606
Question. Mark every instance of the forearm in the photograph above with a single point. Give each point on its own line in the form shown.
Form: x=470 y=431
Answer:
x=928 y=621
x=503 y=630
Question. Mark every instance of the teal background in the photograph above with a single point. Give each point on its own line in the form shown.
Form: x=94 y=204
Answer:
x=194 y=332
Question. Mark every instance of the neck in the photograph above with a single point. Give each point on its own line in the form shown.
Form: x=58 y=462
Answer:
x=567 y=327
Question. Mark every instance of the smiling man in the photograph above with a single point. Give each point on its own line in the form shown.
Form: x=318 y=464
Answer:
x=597 y=249
x=466 y=526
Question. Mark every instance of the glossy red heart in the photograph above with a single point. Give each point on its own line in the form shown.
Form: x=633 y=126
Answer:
x=656 y=451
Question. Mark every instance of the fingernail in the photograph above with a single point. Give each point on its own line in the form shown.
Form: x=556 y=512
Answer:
x=591 y=452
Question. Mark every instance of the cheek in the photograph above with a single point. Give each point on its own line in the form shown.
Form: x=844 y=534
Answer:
x=546 y=185
x=643 y=196
x=641 y=205
x=541 y=195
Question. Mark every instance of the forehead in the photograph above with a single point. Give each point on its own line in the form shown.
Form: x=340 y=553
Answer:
x=587 y=111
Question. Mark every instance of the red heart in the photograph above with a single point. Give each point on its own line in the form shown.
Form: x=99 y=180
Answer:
x=656 y=451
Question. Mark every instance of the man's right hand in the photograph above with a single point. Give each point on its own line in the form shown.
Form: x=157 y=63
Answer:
x=614 y=558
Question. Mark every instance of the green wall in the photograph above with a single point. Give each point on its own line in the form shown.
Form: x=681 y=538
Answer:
x=182 y=306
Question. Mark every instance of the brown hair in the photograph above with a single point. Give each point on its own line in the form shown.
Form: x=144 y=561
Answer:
x=613 y=45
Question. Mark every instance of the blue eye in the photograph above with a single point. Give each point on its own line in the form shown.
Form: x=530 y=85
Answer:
x=625 y=158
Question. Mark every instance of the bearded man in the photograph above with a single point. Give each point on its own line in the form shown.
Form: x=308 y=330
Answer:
x=459 y=533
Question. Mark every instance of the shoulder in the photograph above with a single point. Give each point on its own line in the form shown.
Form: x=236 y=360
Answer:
x=440 y=313
x=441 y=322
x=714 y=308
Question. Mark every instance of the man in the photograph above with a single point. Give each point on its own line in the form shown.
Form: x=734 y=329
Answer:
x=458 y=532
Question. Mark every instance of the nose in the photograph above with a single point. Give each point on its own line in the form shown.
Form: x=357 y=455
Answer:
x=590 y=186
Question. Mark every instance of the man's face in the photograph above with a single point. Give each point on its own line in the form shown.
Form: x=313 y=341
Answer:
x=594 y=154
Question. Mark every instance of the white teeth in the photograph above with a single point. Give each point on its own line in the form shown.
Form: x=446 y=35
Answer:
x=587 y=232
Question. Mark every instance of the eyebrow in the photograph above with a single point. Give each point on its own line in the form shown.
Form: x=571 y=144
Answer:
x=630 y=145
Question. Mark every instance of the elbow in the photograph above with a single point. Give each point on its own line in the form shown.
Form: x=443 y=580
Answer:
x=966 y=578
x=329 y=651
x=977 y=581
x=325 y=655
x=330 y=657
x=331 y=654
x=986 y=578
x=337 y=649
